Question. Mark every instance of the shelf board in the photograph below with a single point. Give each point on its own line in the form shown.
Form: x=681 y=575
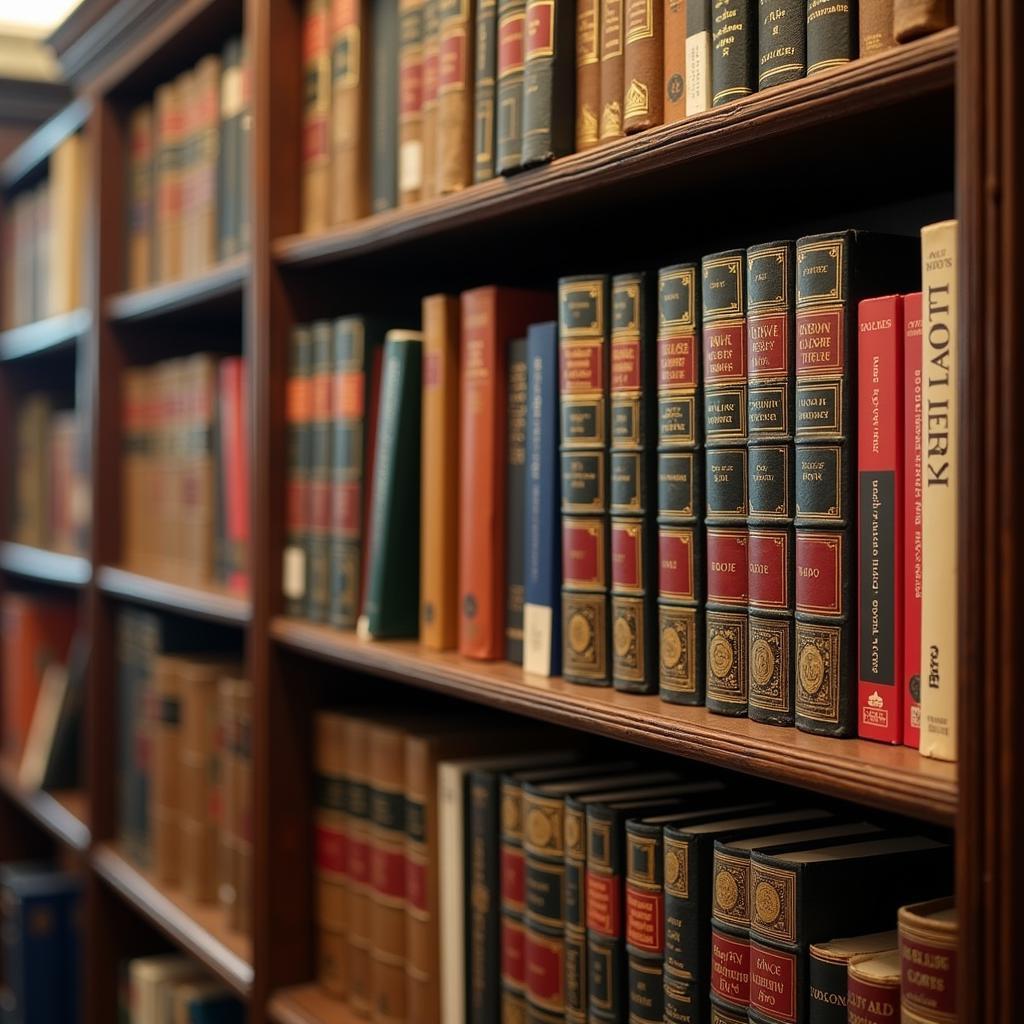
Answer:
x=49 y=335
x=62 y=813
x=198 y=602
x=889 y=778
x=785 y=113
x=220 y=287
x=309 y=1004
x=42 y=142
x=44 y=566
x=197 y=927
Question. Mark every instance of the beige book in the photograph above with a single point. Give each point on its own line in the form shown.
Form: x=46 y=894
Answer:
x=140 y=215
x=206 y=146
x=67 y=203
x=53 y=688
x=150 y=978
x=165 y=805
x=350 y=112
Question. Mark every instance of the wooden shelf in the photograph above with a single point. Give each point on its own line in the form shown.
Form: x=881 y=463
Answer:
x=49 y=335
x=198 y=602
x=198 y=928
x=36 y=149
x=889 y=778
x=218 y=289
x=694 y=147
x=44 y=566
x=309 y=1004
x=62 y=813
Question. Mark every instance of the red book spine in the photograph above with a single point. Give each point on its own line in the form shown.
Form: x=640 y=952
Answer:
x=880 y=461
x=910 y=683
x=234 y=468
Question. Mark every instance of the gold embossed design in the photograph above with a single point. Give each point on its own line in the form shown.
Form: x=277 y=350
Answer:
x=641 y=857
x=835 y=452
x=774 y=903
x=769 y=664
x=544 y=828
x=574 y=833
x=677 y=868
x=511 y=813
x=776 y=254
x=688 y=277
x=628 y=632
x=637 y=99
x=835 y=251
x=818 y=652
x=730 y=889
x=727 y=657
x=678 y=631
x=584 y=618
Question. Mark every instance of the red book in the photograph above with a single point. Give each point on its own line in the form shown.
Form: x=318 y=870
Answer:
x=234 y=455
x=880 y=464
x=491 y=318
x=913 y=482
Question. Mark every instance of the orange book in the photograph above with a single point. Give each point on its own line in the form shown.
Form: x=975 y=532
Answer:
x=491 y=318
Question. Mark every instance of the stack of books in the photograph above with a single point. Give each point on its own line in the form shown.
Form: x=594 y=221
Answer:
x=172 y=989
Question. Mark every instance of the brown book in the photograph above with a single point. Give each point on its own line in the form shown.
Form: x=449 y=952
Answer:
x=316 y=115
x=455 y=96
x=410 y=101
x=350 y=112
x=674 y=60
x=643 y=66
x=588 y=73
x=167 y=226
x=876 y=26
x=206 y=154
x=242 y=919
x=197 y=480
x=431 y=51
x=140 y=185
x=612 y=70
x=230 y=809
x=358 y=877
x=31 y=486
x=915 y=18
x=67 y=201
x=167 y=796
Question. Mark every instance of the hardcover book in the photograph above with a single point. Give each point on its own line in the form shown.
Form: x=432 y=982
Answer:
x=232 y=170
x=831 y=34
x=166 y=803
x=140 y=185
x=508 y=114
x=515 y=501
x=484 y=88
x=410 y=101
x=873 y=988
x=384 y=35
x=781 y=41
x=673 y=59
x=455 y=96
x=877 y=29
x=588 y=73
x=914 y=18
x=612 y=37
x=734 y=51
x=298 y=409
x=913 y=500
x=643 y=66
x=431 y=68
x=316 y=150
x=928 y=955
x=318 y=488
x=827 y=967
x=698 y=56
x=548 y=80
x=350 y=111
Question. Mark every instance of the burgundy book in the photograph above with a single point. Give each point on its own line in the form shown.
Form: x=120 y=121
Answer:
x=913 y=493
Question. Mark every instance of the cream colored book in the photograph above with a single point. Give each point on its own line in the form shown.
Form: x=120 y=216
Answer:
x=940 y=577
x=67 y=205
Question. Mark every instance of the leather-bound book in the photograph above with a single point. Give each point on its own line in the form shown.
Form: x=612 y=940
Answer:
x=827 y=973
x=391 y=599
x=805 y=896
x=510 y=64
x=873 y=987
x=876 y=26
x=698 y=56
x=831 y=34
x=781 y=41
x=583 y=323
x=491 y=318
x=723 y=291
x=350 y=111
x=384 y=36
x=297 y=416
x=633 y=460
x=141 y=205
x=515 y=501
x=455 y=96
x=410 y=101
x=771 y=343
x=318 y=494
x=206 y=144
x=733 y=50
x=166 y=802
x=913 y=18
x=549 y=80
x=612 y=70
x=673 y=60
x=681 y=574
x=167 y=182
x=359 y=879
x=242 y=919
x=232 y=161
x=928 y=951
x=316 y=115
x=229 y=890
x=439 y=483
x=431 y=58
x=233 y=449
x=485 y=77
x=643 y=66
x=588 y=73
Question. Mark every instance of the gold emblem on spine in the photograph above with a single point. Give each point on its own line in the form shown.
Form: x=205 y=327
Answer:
x=671 y=868
x=727 y=892
x=637 y=99
x=671 y=647
x=812 y=669
x=611 y=120
x=762 y=662
x=538 y=828
x=623 y=636
x=580 y=632
x=720 y=656
x=767 y=905
x=573 y=832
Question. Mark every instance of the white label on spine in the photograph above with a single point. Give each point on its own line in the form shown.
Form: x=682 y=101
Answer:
x=698 y=77
x=537 y=619
x=293 y=573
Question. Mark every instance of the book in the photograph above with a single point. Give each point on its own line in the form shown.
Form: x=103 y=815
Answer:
x=612 y=67
x=68 y=181
x=881 y=545
x=410 y=101
x=583 y=327
x=876 y=26
x=151 y=981
x=391 y=601
x=548 y=80
x=491 y=317
x=643 y=66
x=939 y=569
x=140 y=186
x=733 y=50
x=349 y=173
x=873 y=988
x=724 y=342
x=298 y=411
x=913 y=499
x=384 y=36
x=167 y=799
x=674 y=60
x=831 y=35
x=229 y=697
x=455 y=96
x=588 y=73
x=167 y=181
x=515 y=501
x=771 y=340
x=231 y=219
x=542 y=618
x=431 y=70
x=827 y=973
x=510 y=65
x=31 y=485
x=781 y=42
x=485 y=79
x=233 y=430
x=928 y=961
x=318 y=488
x=914 y=18
x=203 y=243
x=359 y=875
x=439 y=491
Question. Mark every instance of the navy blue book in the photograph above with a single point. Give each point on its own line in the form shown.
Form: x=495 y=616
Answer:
x=219 y=1009
x=542 y=618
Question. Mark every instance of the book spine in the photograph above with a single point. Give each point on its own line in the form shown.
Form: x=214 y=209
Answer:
x=483 y=942
x=549 y=78
x=319 y=493
x=643 y=66
x=484 y=87
x=244 y=147
x=359 y=876
x=673 y=60
x=230 y=170
x=876 y=27
x=825 y=420
x=384 y=35
x=826 y=990
x=680 y=487
x=298 y=402
x=913 y=479
x=166 y=802
x=513 y=904
x=734 y=50
x=612 y=70
x=880 y=486
x=140 y=230
x=633 y=464
x=723 y=290
x=645 y=922
x=606 y=953
x=588 y=73
x=431 y=59
x=455 y=97
x=410 y=101
x=770 y=488
x=940 y=578
x=316 y=54
x=542 y=620
x=872 y=1000
x=914 y=18
x=439 y=492
x=583 y=348
x=349 y=169
x=511 y=51
x=730 y=931
x=928 y=969
x=576 y=1000
x=515 y=497
x=831 y=34
x=781 y=42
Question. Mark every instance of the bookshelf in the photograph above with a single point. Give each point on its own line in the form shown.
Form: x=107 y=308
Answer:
x=937 y=118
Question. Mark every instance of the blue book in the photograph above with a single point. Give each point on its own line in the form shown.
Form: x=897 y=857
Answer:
x=222 y=1008
x=542 y=615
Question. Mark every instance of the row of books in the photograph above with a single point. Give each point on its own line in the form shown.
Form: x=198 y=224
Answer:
x=40 y=944
x=42 y=246
x=51 y=488
x=409 y=99
x=460 y=879
x=185 y=470
x=188 y=173
x=185 y=761
x=172 y=989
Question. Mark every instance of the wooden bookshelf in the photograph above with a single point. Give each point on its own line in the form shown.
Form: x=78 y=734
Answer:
x=61 y=813
x=44 y=566
x=33 y=153
x=50 y=335
x=198 y=602
x=309 y=1004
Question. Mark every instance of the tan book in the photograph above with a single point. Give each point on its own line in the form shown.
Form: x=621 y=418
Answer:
x=431 y=57
x=928 y=943
x=358 y=878
x=142 y=133
x=316 y=114
x=169 y=98
x=350 y=112
x=165 y=804
x=230 y=819
x=876 y=26
x=151 y=980
x=206 y=145
x=67 y=203
x=455 y=96
x=612 y=66
x=242 y=919
x=32 y=482
x=915 y=18
x=588 y=73
x=189 y=125
x=674 y=60
x=42 y=250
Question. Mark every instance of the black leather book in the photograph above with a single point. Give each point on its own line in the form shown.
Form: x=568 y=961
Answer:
x=827 y=967
x=508 y=112
x=549 y=80
x=781 y=42
x=831 y=35
x=681 y=574
x=515 y=498
x=770 y=497
x=633 y=458
x=485 y=78
x=733 y=50
x=384 y=104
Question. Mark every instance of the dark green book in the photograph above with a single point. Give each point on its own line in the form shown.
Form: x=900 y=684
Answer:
x=391 y=605
x=832 y=34
x=508 y=112
x=549 y=80
x=294 y=569
x=733 y=50
x=781 y=42
x=483 y=89
x=515 y=497
x=384 y=104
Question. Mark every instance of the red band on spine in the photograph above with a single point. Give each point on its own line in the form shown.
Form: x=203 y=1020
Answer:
x=725 y=354
x=819 y=343
x=677 y=367
x=928 y=976
x=819 y=563
x=331 y=850
x=604 y=904
x=645 y=920
x=730 y=968
x=768 y=569
x=388 y=870
x=727 y=566
x=768 y=345
x=513 y=878
x=773 y=983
